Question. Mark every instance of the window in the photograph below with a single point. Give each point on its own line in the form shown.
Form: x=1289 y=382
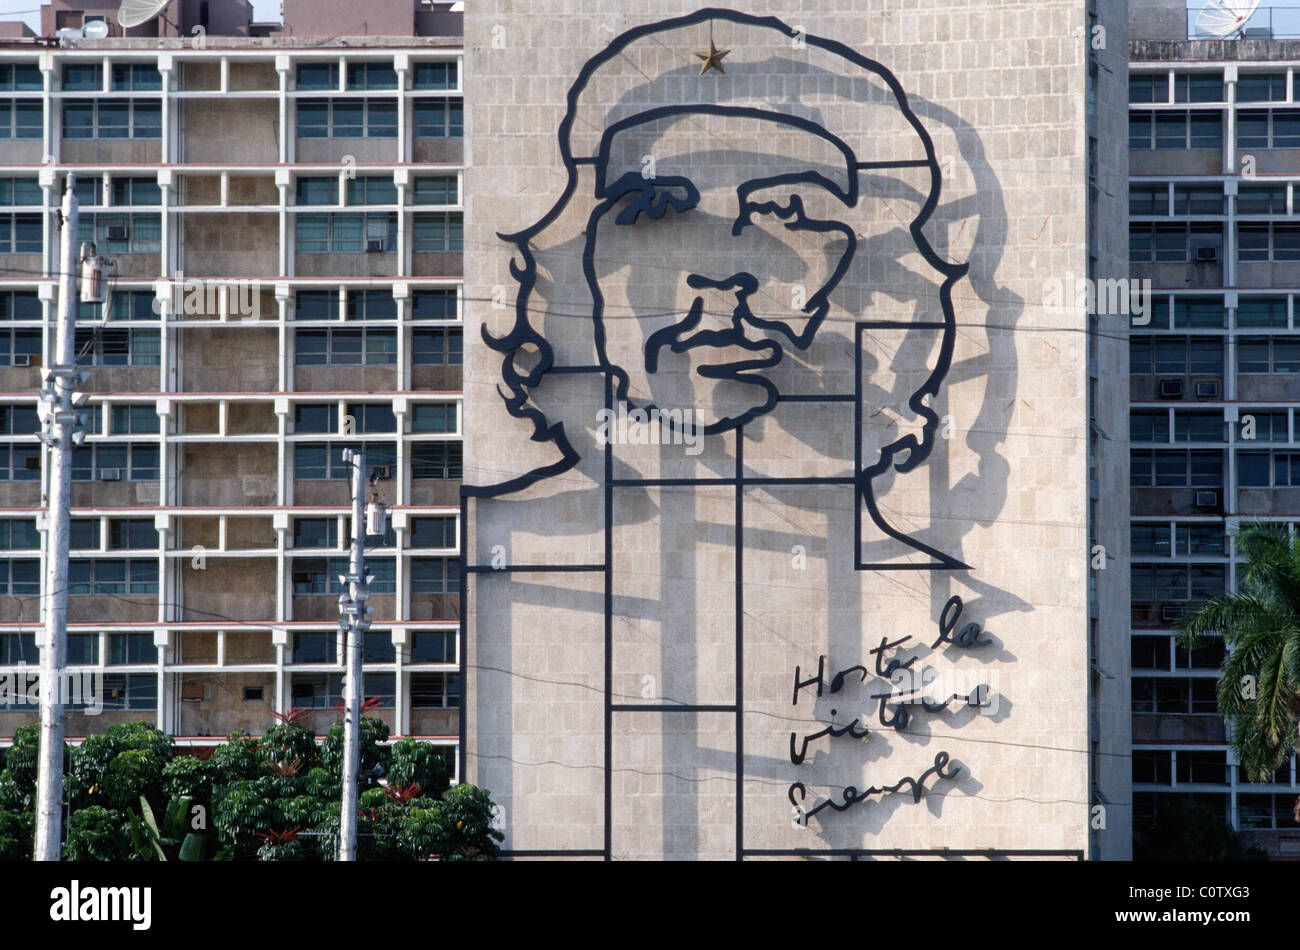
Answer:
x=1150 y=539
x=21 y=77
x=315 y=533
x=1175 y=130
x=1286 y=470
x=433 y=417
x=345 y=233
x=318 y=76
x=345 y=347
x=21 y=120
x=122 y=233
x=435 y=690
x=1191 y=87
x=438 y=118
x=1175 y=469
x=1177 y=582
x=1278 y=128
x=107 y=461
x=1190 y=199
x=1148 y=426
x=1201 y=539
x=1261 y=425
x=83 y=649
x=318 y=191
x=134 y=420
x=435 y=575
x=434 y=305
x=370 y=417
x=1199 y=312
x=1198 y=427
x=1148 y=200
x=316 y=417
x=18 y=420
x=319 y=575
x=444 y=231
x=1268 y=242
x=1154 y=767
x=1173 y=243
x=132 y=534
x=1276 y=355
x=437 y=347
x=1175 y=356
x=20 y=578
x=433 y=532
x=435 y=76
x=136 y=77
x=20 y=234
x=378 y=648
x=1201 y=768
x=317 y=690
x=324 y=460
x=1148 y=88
x=433 y=646
x=117 y=348
x=1252 y=469
x=371 y=305
x=347 y=118
x=124 y=691
x=371 y=76
x=434 y=191
x=83 y=77
x=19 y=305
x=371 y=190
x=1261 y=199
x=19 y=534
x=1209 y=656
x=112 y=119
x=436 y=460
x=315 y=647
x=90 y=576
x=84 y=534
x=316 y=305
x=21 y=191
x=125 y=649
x=1261 y=312
x=1261 y=87
x=20 y=462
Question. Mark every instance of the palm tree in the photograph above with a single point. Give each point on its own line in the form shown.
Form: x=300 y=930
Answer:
x=1259 y=686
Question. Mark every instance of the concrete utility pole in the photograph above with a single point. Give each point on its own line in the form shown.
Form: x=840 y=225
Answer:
x=61 y=432
x=354 y=623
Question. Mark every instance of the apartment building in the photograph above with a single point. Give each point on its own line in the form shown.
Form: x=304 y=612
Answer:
x=281 y=207
x=1214 y=138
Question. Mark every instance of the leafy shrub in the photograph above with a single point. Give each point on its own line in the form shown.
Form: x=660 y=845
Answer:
x=412 y=762
x=17 y=835
x=97 y=834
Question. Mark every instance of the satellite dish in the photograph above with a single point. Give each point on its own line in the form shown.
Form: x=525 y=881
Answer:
x=1224 y=17
x=95 y=30
x=134 y=12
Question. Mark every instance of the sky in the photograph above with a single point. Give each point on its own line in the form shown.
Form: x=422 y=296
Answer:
x=30 y=11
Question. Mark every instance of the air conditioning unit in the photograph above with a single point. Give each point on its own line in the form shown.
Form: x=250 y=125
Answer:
x=374 y=245
x=1170 y=612
x=1171 y=389
x=118 y=232
x=1208 y=389
x=1207 y=499
x=22 y=359
x=110 y=474
x=1207 y=255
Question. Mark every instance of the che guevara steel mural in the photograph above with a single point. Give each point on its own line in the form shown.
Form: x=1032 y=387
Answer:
x=678 y=324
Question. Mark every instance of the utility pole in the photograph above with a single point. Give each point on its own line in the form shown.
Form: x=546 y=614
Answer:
x=62 y=430
x=353 y=622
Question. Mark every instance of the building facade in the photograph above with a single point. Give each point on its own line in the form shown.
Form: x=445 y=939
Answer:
x=282 y=205
x=1214 y=138
x=788 y=454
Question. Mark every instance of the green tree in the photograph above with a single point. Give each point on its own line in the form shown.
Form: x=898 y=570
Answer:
x=412 y=762
x=242 y=810
x=18 y=778
x=17 y=835
x=192 y=777
x=456 y=828
x=97 y=834
x=1189 y=831
x=1259 y=684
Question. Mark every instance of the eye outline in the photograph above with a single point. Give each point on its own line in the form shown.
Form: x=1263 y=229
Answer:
x=651 y=197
